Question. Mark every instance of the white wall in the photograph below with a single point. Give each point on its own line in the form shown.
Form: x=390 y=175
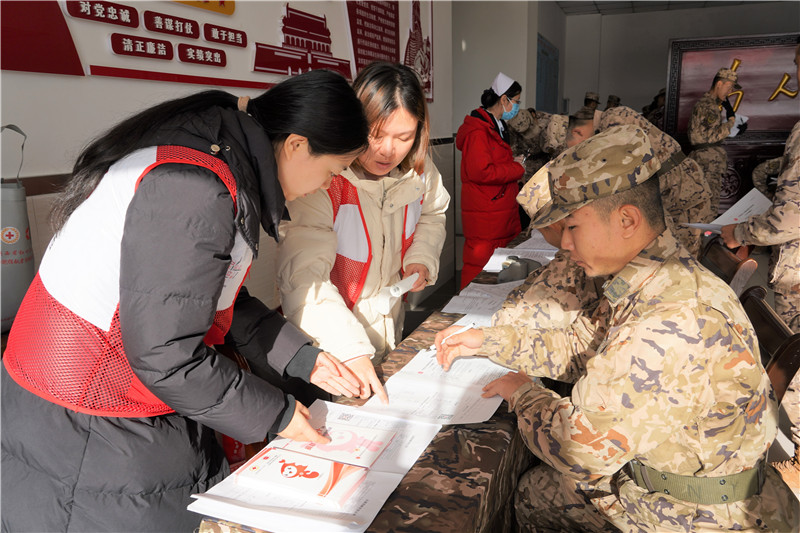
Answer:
x=552 y=24
x=628 y=55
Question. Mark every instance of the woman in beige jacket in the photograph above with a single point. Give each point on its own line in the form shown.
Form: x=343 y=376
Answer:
x=381 y=220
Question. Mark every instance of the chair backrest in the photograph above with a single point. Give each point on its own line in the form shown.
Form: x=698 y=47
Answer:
x=780 y=347
x=724 y=263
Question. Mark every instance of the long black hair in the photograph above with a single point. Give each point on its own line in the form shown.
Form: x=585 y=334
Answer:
x=319 y=105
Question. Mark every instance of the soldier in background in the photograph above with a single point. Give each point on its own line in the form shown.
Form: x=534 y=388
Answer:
x=591 y=99
x=707 y=130
x=779 y=227
x=765 y=176
x=613 y=101
x=676 y=380
x=655 y=111
x=685 y=193
x=527 y=129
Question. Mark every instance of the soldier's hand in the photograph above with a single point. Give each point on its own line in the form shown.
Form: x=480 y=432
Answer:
x=728 y=109
x=728 y=236
x=300 y=429
x=450 y=345
x=742 y=128
x=506 y=386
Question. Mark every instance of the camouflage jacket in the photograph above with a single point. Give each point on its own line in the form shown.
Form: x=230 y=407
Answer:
x=762 y=173
x=559 y=297
x=706 y=125
x=676 y=384
x=780 y=224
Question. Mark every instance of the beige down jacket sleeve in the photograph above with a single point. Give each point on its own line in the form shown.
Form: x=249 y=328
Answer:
x=308 y=249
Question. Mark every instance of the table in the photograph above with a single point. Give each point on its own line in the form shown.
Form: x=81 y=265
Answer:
x=463 y=482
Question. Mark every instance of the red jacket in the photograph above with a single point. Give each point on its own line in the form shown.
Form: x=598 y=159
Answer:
x=489 y=177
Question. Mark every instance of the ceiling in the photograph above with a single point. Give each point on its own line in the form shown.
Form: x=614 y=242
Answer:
x=610 y=7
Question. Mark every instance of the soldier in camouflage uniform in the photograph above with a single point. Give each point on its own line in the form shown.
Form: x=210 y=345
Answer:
x=764 y=174
x=707 y=130
x=779 y=227
x=668 y=426
x=527 y=129
x=558 y=294
x=613 y=101
x=685 y=193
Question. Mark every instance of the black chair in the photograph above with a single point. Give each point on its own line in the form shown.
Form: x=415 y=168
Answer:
x=727 y=265
x=780 y=347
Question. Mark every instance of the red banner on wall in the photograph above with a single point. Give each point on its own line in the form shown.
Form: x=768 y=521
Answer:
x=200 y=55
x=222 y=35
x=107 y=12
x=374 y=31
x=131 y=45
x=171 y=24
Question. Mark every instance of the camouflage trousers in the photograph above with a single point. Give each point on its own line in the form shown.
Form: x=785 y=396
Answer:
x=686 y=196
x=791 y=404
x=546 y=500
x=714 y=162
x=787 y=305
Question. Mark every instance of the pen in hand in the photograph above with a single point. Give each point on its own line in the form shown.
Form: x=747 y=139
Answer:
x=457 y=332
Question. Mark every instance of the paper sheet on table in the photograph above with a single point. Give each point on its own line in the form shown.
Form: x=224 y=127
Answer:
x=481 y=300
x=751 y=204
x=274 y=511
x=500 y=255
x=737 y=121
x=423 y=391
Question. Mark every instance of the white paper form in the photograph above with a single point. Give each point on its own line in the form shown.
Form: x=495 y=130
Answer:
x=737 y=124
x=500 y=255
x=423 y=391
x=274 y=511
x=481 y=300
x=753 y=203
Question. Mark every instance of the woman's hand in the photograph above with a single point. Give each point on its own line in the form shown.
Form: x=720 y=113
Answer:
x=728 y=236
x=459 y=345
x=300 y=429
x=330 y=375
x=506 y=386
x=422 y=280
x=368 y=380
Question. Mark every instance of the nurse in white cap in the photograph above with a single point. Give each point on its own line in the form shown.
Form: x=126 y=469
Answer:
x=489 y=176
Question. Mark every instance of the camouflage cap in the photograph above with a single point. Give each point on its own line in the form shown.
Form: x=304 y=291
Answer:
x=613 y=99
x=612 y=161
x=592 y=96
x=729 y=75
x=535 y=194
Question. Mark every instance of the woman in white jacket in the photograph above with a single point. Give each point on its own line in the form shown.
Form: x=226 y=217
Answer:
x=381 y=220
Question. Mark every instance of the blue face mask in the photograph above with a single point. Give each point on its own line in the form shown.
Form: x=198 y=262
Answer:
x=508 y=115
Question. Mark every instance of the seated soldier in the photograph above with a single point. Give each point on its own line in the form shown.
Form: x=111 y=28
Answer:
x=558 y=294
x=670 y=423
x=685 y=192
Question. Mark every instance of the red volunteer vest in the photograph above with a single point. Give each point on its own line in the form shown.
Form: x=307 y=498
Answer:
x=61 y=356
x=354 y=247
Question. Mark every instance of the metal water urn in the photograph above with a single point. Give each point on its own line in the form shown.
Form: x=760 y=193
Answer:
x=16 y=250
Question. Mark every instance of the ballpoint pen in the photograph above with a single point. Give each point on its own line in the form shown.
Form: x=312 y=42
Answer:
x=457 y=332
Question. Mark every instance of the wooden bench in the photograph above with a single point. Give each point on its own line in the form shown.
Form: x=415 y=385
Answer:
x=727 y=265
